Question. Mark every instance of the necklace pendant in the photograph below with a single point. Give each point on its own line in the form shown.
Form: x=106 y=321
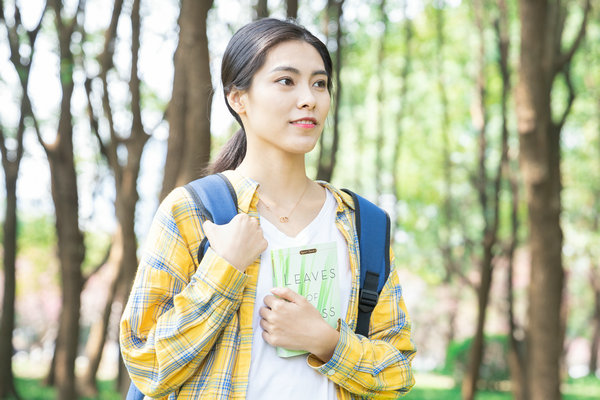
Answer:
x=283 y=220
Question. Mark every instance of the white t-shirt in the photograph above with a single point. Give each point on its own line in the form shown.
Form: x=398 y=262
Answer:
x=272 y=377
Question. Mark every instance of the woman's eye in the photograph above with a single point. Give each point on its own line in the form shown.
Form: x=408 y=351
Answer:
x=321 y=83
x=286 y=81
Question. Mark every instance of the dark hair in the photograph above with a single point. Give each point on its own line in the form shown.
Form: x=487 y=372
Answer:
x=245 y=54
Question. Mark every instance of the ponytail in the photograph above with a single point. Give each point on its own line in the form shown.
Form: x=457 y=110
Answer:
x=231 y=155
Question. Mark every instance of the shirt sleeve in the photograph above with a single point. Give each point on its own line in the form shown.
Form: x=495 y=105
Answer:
x=175 y=312
x=378 y=366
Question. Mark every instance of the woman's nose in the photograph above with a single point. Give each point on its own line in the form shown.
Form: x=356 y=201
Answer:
x=306 y=97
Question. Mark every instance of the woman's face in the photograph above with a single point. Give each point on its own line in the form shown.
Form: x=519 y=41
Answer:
x=288 y=101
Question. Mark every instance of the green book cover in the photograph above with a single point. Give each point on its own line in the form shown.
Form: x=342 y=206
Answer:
x=310 y=271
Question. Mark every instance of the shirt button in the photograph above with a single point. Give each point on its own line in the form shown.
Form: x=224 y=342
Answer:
x=330 y=372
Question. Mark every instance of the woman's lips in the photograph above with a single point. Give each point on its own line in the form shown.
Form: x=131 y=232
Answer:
x=305 y=123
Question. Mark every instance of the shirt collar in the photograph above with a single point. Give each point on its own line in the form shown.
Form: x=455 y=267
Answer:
x=245 y=190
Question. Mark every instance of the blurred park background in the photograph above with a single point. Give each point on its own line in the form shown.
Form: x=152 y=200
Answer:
x=475 y=124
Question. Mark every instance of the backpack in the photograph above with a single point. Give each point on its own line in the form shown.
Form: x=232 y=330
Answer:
x=215 y=198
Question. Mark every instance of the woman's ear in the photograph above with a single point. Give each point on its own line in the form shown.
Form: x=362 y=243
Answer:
x=236 y=99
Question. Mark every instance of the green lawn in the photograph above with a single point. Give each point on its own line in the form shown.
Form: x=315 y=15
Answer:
x=429 y=387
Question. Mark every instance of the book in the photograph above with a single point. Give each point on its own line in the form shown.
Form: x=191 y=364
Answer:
x=310 y=271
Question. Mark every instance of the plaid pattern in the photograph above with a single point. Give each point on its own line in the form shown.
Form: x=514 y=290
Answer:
x=186 y=332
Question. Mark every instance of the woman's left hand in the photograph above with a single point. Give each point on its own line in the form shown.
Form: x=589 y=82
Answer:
x=290 y=321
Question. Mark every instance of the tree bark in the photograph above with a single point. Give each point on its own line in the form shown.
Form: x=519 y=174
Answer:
x=515 y=351
x=327 y=165
x=479 y=118
x=292 y=8
x=403 y=110
x=262 y=9
x=595 y=342
x=7 y=324
x=71 y=247
x=379 y=130
x=541 y=60
x=123 y=257
x=595 y=278
x=189 y=110
x=451 y=265
x=11 y=161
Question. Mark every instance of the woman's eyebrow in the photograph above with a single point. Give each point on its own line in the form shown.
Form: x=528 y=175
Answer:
x=296 y=70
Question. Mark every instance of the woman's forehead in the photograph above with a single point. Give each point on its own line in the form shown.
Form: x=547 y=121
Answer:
x=296 y=54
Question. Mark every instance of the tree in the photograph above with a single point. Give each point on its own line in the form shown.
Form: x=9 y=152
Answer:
x=403 y=109
x=327 y=157
x=379 y=130
x=515 y=352
x=541 y=60
x=71 y=248
x=189 y=110
x=122 y=259
x=11 y=161
x=292 y=8
x=262 y=9
x=451 y=264
x=488 y=189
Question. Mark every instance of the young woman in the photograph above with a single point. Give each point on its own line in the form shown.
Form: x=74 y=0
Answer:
x=209 y=331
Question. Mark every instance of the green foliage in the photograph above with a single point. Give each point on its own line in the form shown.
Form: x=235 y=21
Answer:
x=494 y=366
x=33 y=389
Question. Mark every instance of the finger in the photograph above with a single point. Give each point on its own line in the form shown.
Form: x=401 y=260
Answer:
x=287 y=294
x=208 y=226
x=266 y=337
x=265 y=313
x=266 y=327
x=269 y=301
x=264 y=244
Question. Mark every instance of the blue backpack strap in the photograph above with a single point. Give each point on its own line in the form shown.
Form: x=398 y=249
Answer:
x=216 y=201
x=373 y=230
x=133 y=393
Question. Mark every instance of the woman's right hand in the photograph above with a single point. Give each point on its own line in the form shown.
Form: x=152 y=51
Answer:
x=240 y=241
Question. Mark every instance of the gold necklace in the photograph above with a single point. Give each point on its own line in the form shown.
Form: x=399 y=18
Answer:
x=285 y=219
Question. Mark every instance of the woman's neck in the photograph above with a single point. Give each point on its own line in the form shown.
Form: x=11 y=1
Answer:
x=282 y=177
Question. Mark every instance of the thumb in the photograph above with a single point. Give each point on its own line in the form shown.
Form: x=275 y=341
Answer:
x=287 y=294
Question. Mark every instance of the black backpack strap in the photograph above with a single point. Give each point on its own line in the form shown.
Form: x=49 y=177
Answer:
x=373 y=230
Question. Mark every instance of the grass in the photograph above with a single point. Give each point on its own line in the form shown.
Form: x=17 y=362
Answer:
x=33 y=389
x=429 y=387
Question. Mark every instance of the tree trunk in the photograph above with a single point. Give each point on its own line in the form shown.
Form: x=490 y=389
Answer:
x=595 y=342
x=71 y=249
x=189 y=110
x=542 y=24
x=327 y=165
x=7 y=324
x=98 y=332
x=11 y=161
x=515 y=352
x=123 y=256
x=70 y=252
x=292 y=8
x=262 y=9
x=539 y=146
x=403 y=110
x=595 y=278
x=379 y=130
x=489 y=206
x=450 y=263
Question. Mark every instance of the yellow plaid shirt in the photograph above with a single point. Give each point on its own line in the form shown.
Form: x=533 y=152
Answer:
x=186 y=332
